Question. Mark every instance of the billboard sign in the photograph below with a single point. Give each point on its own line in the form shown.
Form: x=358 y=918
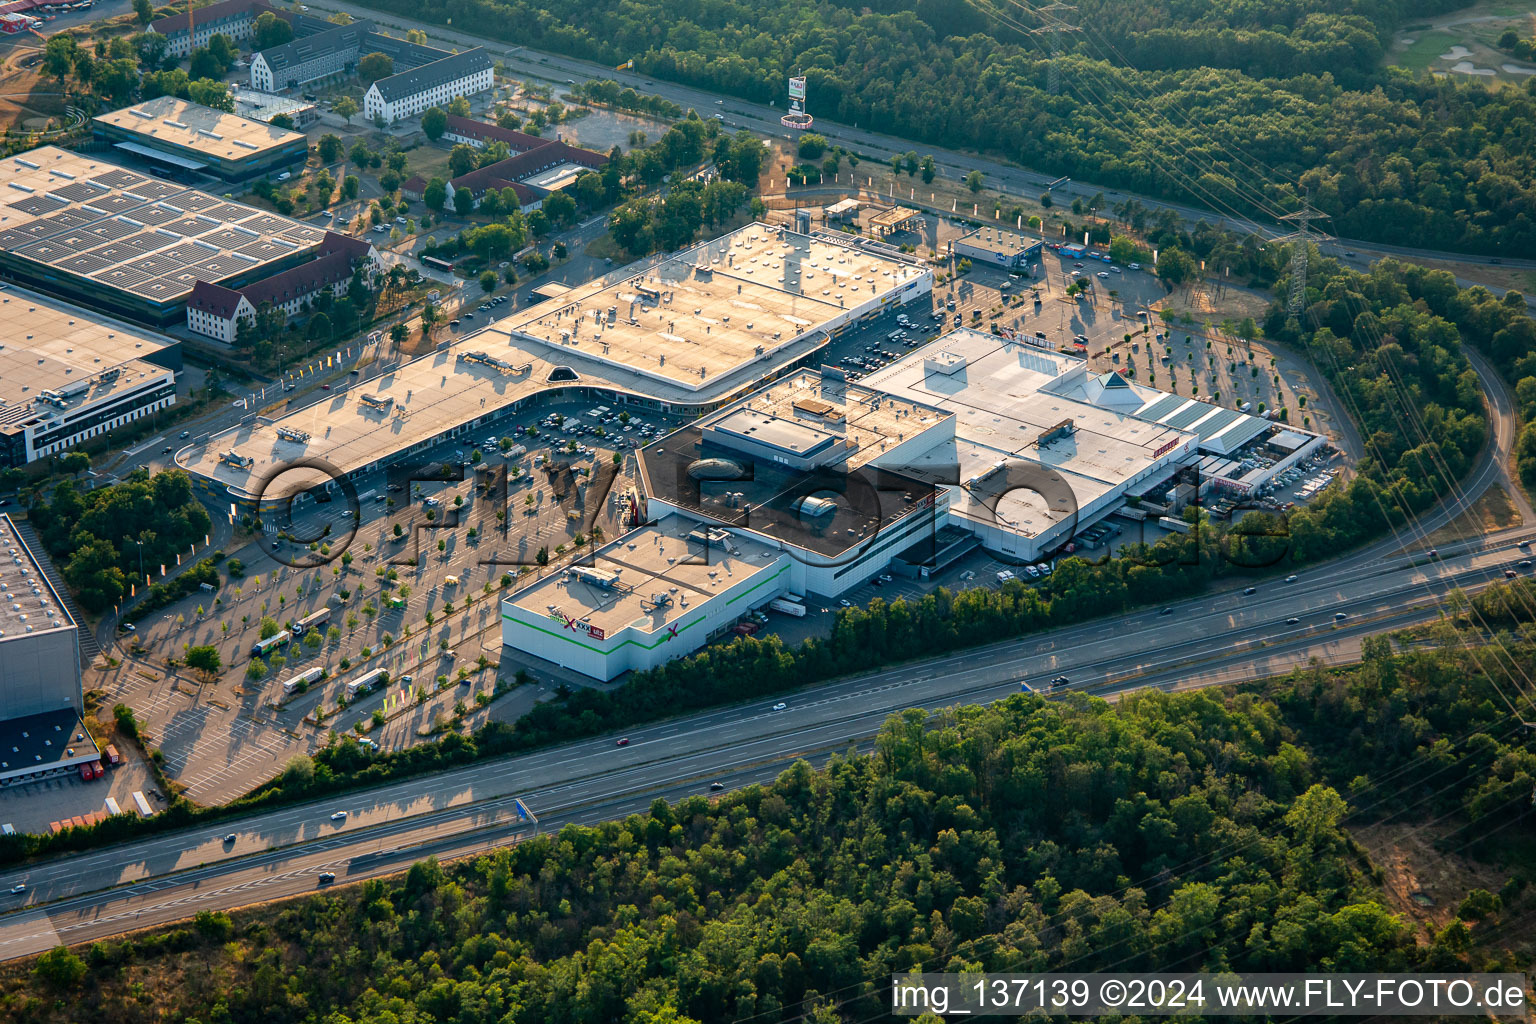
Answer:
x=797 y=88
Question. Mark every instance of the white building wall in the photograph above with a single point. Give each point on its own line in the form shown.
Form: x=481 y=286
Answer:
x=261 y=75
x=375 y=105
x=629 y=648
x=69 y=441
x=41 y=672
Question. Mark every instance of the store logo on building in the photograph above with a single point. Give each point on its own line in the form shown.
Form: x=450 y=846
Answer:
x=576 y=625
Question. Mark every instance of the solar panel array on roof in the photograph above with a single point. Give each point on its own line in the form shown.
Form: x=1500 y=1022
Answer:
x=1160 y=407
x=1181 y=418
x=94 y=221
x=1240 y=433
x=1215 y=423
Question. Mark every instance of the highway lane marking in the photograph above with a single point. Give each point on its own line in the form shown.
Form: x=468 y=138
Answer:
x=546 y=762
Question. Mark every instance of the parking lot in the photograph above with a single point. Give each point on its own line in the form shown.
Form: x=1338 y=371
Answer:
x=406 y=579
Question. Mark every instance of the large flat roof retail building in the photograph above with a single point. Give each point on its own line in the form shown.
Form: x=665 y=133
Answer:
x=41 y=732
x=691 y=332
x=67 y=374
x=190 y=137
x=658 y=592
x=130 y=243
x=813 y=484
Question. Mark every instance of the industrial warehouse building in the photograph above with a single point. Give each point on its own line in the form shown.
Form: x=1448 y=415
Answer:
x=187 y=136
x=41 y=731
x=67 y=375
x=129 y=243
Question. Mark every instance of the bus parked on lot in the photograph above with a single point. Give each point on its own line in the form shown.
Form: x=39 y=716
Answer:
x=261 y=648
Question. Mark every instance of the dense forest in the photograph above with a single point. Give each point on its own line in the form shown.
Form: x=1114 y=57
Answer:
x=1204 y=830
x=1239 y=107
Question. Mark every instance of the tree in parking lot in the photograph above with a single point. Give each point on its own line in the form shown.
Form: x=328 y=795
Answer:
x=488 y=281
x=205 y=660
x=269 y=627
x=256 y=669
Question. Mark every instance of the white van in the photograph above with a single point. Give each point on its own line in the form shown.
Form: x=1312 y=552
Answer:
x=450 y=581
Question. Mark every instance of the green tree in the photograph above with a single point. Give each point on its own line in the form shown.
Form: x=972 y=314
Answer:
x=461 y=160
x=143 y=11
x=435 y=195
x=60 y=969
x=205 y=660
x=1175 y=266
x=346 y=108
x=374 y=66
x=973 y=181
x=434 y=122
x=488 y=281
x=330 y=148
x=269 y=30
x=59 y=56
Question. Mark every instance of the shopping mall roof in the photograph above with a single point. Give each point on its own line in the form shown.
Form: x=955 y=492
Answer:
x=657 y=576
x=710 y=320
x=735 y=302
x=194 y=128
x=765 y=496
x=1012 y=400
x=1001 y=241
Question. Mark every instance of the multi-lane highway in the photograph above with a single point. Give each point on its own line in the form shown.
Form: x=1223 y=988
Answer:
x=1213 y=639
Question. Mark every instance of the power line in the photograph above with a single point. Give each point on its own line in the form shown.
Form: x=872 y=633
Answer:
x=1304 y=238
x=1053 y=29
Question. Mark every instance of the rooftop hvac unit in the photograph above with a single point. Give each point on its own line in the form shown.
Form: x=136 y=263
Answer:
x=812 y=508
